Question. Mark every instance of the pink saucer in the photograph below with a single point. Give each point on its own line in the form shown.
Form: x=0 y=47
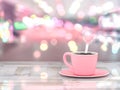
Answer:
x=98 y=73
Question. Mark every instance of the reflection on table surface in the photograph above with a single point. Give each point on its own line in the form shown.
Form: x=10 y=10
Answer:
x=45 y=76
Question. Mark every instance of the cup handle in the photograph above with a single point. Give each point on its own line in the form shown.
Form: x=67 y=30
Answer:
x=66 y=62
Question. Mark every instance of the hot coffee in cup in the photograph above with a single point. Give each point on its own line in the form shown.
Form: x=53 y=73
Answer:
x=81 y=63
x=83 y=53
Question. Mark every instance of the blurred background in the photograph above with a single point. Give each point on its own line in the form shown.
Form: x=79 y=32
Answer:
x=42 y=30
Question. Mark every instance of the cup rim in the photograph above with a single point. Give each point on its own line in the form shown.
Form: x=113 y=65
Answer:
x=93 y=53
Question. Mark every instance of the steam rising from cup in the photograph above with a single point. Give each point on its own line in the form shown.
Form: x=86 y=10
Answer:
x=88 y=36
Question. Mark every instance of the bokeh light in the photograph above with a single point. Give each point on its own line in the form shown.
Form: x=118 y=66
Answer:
x=33 y=16
x=22 y=38
x=101 y=38
x=108 y=5
x=74 y=7
x=37 y=54
x=72 y=46
x=60 y=9
x=69 y=25
x=45 y=7
x=92 y=10
x=78 y=27
x=28 y=21
x=104 y=47
x=43 y=45
x=115 y=47
x=37 y=1
x=109 y=40
x=5 y=32
x=43 y=75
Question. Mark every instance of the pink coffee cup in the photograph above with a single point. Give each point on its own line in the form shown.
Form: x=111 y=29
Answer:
x=81 y=63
